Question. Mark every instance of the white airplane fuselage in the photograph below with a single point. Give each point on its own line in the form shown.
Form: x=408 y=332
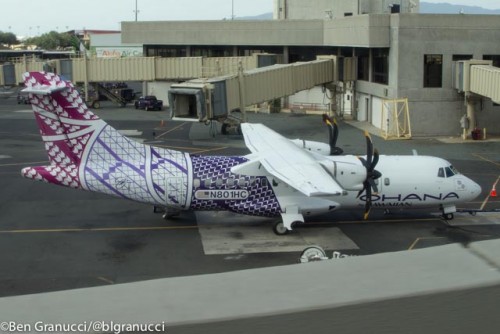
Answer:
x=406 y=182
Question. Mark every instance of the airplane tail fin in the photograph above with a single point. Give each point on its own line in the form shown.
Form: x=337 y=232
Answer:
x=87 y=153
x=65 y=123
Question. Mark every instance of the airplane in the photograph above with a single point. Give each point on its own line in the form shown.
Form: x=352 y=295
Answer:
x=281 y=178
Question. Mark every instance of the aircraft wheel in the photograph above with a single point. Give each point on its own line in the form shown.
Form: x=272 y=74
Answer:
x=169 y=214
x=448 y=216
x=280 y=229
x=312 y=254
x=96 y=105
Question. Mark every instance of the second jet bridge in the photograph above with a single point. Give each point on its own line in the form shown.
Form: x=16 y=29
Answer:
x=217 y=98
x=476 y=78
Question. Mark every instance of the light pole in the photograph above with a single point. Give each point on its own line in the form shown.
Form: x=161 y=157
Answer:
x=136 y=11
x=232 y=9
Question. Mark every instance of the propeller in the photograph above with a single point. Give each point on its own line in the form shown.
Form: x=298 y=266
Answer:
x=369 y=163
x=334 y=134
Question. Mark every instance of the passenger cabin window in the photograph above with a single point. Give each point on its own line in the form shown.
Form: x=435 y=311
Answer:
x=207 y=183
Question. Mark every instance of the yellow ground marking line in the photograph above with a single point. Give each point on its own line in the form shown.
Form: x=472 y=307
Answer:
x=194 y=150
x=423 y=238
x=184 y=148
x=173 y=129
x=210 y=150
x=489 y=194
x=101 y=229
x=486 y=159
x=104 y=279
x=375 y=221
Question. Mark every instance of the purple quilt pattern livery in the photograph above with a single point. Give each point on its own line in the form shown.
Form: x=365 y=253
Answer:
x=214 y=173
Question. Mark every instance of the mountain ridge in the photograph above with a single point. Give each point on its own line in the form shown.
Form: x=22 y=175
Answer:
x=425 y=8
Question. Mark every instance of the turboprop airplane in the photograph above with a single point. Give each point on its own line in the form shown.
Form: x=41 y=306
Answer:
x=280 y=178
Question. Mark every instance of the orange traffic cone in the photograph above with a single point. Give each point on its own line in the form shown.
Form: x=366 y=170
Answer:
x=493 y=192
x=162 y=123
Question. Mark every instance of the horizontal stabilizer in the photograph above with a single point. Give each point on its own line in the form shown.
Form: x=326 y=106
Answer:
x=43 y=89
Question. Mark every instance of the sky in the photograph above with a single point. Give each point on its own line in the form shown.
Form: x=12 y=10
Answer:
x=488 y=4
x=33 y=17
x=62 y=15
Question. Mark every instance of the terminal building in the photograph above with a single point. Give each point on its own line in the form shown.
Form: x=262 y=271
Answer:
x=399 y=54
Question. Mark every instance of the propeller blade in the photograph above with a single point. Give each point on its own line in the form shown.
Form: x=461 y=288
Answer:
x=375 y=161
x=373 y=185
x=363 y=161
x=369 y=148
x=368 y=202
x=371 y=161
x=333 y=135
x=367 y=213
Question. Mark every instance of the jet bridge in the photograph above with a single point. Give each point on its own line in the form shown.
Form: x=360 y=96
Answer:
x=224 y=98
x=476 y=78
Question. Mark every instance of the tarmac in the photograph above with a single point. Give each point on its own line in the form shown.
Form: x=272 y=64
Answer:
x=54 y=239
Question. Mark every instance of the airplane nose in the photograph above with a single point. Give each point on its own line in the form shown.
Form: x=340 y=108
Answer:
x=475 y=189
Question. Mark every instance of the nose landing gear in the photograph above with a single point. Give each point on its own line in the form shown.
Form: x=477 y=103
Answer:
x=447 y=211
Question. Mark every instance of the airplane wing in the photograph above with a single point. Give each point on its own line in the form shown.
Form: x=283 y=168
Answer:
x=286 y=161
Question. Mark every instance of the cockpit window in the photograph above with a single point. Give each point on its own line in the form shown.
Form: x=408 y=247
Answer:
x=449 y=172
x=454 y=170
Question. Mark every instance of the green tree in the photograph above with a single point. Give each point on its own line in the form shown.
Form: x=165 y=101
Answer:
x=52 y=40
x=8 y=38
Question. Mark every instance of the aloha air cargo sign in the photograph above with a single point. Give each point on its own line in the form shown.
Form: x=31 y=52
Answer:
x=118 y=52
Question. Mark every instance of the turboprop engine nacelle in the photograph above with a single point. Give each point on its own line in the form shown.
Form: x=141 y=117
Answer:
x=347 y=171
x=313 y=146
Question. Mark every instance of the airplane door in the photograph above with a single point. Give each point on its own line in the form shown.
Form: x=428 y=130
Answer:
x=175 y=192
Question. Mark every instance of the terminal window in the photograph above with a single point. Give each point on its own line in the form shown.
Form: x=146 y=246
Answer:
x=433 y=71
x=380 y=71
x=494 y=58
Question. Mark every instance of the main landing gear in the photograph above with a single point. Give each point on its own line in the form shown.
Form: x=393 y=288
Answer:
x=289 y=218
x=279 y=228
x=168 y=213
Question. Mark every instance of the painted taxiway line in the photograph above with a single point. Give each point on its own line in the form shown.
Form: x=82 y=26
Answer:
x=486 y=159
x=414 y=244
x=103 y=229
x=106 y=280
x=489 y=194
x=173 y=129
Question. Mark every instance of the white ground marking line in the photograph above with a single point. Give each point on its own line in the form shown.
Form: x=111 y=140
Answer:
x=225 y=233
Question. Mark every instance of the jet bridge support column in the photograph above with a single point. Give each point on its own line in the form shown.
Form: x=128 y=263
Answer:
x=241 y=84
x=471 y=114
